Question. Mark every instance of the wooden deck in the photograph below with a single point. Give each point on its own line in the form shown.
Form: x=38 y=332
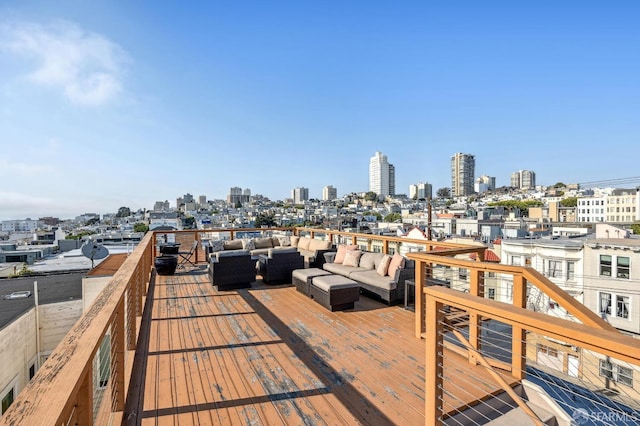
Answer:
x=270 y=355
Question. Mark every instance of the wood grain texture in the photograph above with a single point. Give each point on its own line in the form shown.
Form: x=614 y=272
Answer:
x=271 y=355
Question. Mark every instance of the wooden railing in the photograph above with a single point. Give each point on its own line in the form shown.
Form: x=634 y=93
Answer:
x=590 y=332
x=62 y=390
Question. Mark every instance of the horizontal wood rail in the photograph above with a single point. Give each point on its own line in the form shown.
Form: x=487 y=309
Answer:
x=521 y=274
x=606 y=342
x=62 y=390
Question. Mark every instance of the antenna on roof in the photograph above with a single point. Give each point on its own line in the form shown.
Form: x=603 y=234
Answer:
x=94 y=250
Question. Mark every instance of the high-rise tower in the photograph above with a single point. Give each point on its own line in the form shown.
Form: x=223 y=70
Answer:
x=382 y=175
x=463 y=168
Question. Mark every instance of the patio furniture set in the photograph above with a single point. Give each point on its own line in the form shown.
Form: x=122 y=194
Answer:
x=335 y=282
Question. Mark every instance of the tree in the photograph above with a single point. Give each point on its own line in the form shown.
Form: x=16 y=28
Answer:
x=123 y=212
x=92 y=221
x=392 y=217
x=141 y=227
x=265 y=220
x=444 y=192
x=371 y=196
x=636 y=228
x=569 y=202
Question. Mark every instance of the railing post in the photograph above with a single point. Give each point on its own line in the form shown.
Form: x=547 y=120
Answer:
x=354 y=240
x=518 y=345
x=83 y=414
x=434 y=363
x=419 y=299
x=312 y=234
x=117 y=359
x=474 y=318
x=385 y=246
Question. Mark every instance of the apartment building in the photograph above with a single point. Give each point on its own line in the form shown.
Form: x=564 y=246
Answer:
x=463 y=168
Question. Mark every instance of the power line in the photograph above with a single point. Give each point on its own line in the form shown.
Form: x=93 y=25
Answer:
x=612 y=182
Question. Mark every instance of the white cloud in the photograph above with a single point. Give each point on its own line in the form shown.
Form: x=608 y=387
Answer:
x=86 y=66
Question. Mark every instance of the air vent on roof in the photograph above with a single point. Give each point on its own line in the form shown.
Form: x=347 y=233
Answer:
x=18 y=295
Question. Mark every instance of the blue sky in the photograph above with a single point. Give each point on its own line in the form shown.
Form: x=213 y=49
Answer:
x=114 y=103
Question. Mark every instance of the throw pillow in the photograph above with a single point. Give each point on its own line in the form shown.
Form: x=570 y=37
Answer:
x=397 y=262
x=294 y=241
x=342 y=249
x=383 y=267
x=303 y=243
x=284 y=241
x=248 y=244
x=216 y=245
x=352 y=258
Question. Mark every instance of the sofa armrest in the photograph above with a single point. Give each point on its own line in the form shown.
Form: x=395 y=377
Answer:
x=401 y=276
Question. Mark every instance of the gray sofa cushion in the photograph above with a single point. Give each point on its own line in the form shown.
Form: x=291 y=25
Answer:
x=232 y=244
x=276 y=250
x=340 y=269
x=261 y=243
x=371 y=277
x=370 y=260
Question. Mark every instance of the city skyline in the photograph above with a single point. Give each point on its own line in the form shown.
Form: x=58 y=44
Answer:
x=103 y=108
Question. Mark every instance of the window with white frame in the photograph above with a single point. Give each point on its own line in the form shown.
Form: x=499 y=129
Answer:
x=605 y=303
x=605 y=265
x=516 y=260
x=615 y=372
x=571 y=271
x=554 y=268
x=622 y=267
x=622 y=306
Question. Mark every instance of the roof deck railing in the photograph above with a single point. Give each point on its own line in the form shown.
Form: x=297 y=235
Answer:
x=86 y=380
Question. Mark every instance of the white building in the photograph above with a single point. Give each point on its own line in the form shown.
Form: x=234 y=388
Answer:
x=463 y=168
x=422 y=190
x=329 y=193
x=382 y=179
x=485 y=183
x=26 y=225
x=592 y=209
x=560 y=260
x=300 y=195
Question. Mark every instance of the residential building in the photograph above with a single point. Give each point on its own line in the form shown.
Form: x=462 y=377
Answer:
x=26 y=225
x=300 y=195
x=592 y=209
x=611 y=277
x=329 y=193
x=523 y=179
x=202 y=200
x=485 y=183
x=161 y=206
x=381 y=175
x=421 y=190
x=622 y=206
x=462 y=174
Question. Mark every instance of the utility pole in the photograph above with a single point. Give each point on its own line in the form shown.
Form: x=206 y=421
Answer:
x=429 y=218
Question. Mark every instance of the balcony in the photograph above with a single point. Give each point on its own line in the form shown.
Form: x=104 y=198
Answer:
x=174 y=350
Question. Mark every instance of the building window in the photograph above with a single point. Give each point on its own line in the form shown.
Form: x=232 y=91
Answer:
x=463 y=273
x=616 y=372
x=605 y=303
x=622 y=307
x=515 y=260
x=605 y=265
x=554 y=268
x=491 y=293
x=7 y=401
x=547 y=350
x=32 y=371
x=571 y=270
x=622 y=267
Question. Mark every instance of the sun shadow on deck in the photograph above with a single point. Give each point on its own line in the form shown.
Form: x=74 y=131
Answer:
x=280 y=384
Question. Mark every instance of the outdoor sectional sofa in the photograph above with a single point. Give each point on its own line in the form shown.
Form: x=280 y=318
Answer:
x=311 y=249
x=368 y=273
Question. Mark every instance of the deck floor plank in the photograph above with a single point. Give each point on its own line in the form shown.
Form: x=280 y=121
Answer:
x=271 y=355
